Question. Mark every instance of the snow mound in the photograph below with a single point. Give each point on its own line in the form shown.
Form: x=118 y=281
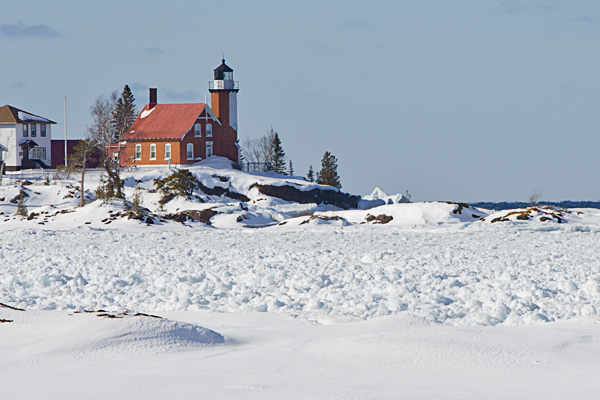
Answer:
x=379 y=198
x=545 y=214
x=216 y=162
x=95 y=334
x=412 y=214
x=379 y=194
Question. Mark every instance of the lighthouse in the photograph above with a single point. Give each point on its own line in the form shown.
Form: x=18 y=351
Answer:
x=223 y=96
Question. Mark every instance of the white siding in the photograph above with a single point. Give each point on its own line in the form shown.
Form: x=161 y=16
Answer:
x=12 y=134
x=233 y=110
x=8 y=140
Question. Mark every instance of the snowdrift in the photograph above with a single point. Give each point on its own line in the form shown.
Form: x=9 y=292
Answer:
x=73 y=335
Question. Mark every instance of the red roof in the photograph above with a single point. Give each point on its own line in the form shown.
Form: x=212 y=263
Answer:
x=165 y=121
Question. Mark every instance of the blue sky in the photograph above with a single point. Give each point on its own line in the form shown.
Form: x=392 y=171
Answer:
x=461 y=100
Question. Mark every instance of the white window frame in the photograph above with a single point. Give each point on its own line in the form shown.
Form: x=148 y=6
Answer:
x=153 y=150
x=209 y=130
x=167 y=151
x=25 y=130
x=190 y=151
x=209 y=145
x=197 y=130
x=138 y=151
x=39 y=150
x=42 y=130
x=33 y=130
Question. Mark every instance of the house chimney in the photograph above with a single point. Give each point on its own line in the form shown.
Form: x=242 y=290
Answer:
x=153 y=100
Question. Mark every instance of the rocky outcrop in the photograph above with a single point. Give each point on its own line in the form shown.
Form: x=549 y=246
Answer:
x=319 y=196
x=194 y=215
x=220 y=191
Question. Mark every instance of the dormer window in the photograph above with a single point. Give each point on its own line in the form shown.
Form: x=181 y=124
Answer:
x=25 y=130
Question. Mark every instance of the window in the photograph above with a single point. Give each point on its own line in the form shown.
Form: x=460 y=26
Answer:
x=197 y=130
x=43 y=130
x=208 y=130
x=209 y=149
x=153 y=152
x=25 y=130
x=33 y=130
x=228 y=76
x=138 y=151
x=167 y=151
x=38 y=153
x=190 y=151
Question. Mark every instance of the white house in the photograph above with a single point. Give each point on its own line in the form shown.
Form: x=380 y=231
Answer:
x=26 y=139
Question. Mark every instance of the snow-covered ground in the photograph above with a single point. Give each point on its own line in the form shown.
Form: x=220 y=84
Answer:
x=458 y=275
x=54 y=355
x=276 y=299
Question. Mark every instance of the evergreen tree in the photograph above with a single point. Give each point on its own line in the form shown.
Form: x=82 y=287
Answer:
x=290 y=168
x=124 y=113
x=328 y=174
x=311 y=174
x=278 y=162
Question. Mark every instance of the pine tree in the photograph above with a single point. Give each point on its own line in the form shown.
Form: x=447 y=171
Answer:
x=328 y=174
x=124 y=113
x=137 y=201
x=278 y=162
x=311 y=174
x=290 y=168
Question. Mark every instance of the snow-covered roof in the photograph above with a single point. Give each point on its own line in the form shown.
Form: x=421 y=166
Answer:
x=12 y=115
x=167 y=121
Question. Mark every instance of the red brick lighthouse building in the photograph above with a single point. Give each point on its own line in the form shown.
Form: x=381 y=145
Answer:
x=182 y=134
x=223 y=99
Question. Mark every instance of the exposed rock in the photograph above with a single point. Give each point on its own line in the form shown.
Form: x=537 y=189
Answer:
x=194 y=215
x=32 y=216
x=319 y=196
x=2 y=305
x=220 y=191
x=380 y=219
x=201 y=215
x=178 y=217
x=459 y=207
x=221 y=178
x=15 y=199
x=323 y=218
